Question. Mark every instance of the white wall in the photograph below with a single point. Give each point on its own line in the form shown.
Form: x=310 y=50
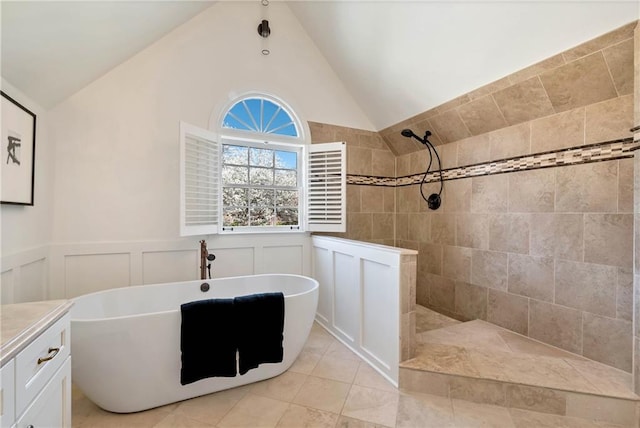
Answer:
x=115 y=197
x=117 y=139
x=26 y=230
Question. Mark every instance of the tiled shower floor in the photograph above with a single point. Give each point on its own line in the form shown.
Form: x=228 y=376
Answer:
x=328 y=386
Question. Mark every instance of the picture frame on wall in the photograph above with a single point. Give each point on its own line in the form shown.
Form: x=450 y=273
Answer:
x=17 y=163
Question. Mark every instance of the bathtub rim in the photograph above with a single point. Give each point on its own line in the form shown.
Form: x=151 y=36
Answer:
x=77 y=303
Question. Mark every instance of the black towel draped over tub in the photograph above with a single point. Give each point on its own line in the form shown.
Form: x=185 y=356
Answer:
x=207 y=343
x=213 y=330
x=260 y=322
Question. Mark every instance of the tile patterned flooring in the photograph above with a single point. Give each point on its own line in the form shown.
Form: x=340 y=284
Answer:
x=327 y=386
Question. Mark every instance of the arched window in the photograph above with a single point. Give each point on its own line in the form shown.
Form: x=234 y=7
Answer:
x=262 y=115
x=258 y=175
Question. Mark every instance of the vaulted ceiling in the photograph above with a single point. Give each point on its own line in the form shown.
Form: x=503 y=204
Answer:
x=396 y=58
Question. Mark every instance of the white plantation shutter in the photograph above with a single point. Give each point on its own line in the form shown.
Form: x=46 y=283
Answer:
x=199 y=181
x=327 y=187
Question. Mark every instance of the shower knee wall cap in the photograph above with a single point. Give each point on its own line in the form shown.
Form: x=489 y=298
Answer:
x=434 y=200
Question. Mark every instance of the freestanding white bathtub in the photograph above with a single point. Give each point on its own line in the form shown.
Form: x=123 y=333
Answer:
x=125 y=342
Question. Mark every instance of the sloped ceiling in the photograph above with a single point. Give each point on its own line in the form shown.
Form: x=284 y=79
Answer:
x=397 y=58
x=400 y=58
x=51 y=49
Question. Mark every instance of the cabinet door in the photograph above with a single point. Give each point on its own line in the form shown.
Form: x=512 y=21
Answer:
x=7 y=394
x=52 y=407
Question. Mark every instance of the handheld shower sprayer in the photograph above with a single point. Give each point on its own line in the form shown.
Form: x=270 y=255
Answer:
x=434 y=200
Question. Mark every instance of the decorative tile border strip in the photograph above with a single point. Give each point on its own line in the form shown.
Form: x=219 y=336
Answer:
x=618 y=149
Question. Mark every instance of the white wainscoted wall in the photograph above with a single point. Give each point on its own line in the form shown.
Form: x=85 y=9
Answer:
x=69 y=270
x=367 y=299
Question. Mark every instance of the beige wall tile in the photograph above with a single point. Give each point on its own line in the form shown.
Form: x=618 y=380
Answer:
x=609 y=120
x=472 y=230
x=636 y=371
x=477 y=390
x=448 y=155
x=372 y=200
x=617 y=411
x=557 y=235
x=489 y=193
x=624 y=294
x=490 y=88
x=608 y=239
x=532 y=191
x=608 y=39
x=636 y=42
x=456 y=263
x=383 y=163
x=402 y=226
x=407 y=202
x=536 y=399
x=419 y=227
x=508 y=310
x=619 y=58
x=322 y=133
x=474 y=150
x=579 y=83
x=481 y=115
x=354 y=198
x=524 y=101
x=456 y=195
x=537 y=68
x=587 y=287
x=403 y=164
x=510 y=142
x=372 y=140
x=449 y=127
x=443 y=228
x=589 y=187
x=625 y=185
x=358 y=160
x=389 y=195
x=359 y=226
x=398 y=144
x=419 y=161
x=556 y=325
x=470 y=301
x=382 y=226
x=531 y=276
x=608 y=341
x=558 y=131
x=451 y=104
x=489 y=269
x=509 y=232
x=430 y=259
x=441 y=292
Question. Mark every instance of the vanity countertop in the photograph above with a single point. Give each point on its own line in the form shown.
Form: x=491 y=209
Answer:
x=23 y=322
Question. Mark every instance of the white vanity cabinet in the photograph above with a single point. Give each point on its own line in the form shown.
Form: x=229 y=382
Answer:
x=36 y=380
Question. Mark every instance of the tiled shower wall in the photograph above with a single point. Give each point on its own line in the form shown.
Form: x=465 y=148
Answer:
x=545 y=252
x=636 y=281
x=370 y=209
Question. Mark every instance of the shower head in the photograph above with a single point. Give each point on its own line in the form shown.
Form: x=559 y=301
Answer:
x=434 y=200
x=409 y=133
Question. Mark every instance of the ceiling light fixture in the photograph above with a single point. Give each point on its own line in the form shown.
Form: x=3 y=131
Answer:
x=263 y=28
